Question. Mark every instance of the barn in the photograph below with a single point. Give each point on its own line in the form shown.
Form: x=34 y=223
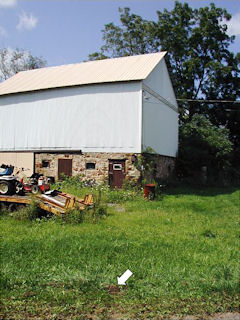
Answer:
x=92 y=119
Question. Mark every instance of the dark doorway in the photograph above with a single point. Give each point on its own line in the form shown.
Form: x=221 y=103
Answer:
x=116 y=173
x=64 y=167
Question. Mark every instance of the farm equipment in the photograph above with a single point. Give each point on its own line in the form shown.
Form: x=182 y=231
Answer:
x=8 y=183
x=6 y=170
x=37 y=183
x=55 y=202
x=15 y=193
x=11 y=185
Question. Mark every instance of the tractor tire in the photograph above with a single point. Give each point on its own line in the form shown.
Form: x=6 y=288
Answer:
x=19 y=188
x=35 y=189
x=5 y=187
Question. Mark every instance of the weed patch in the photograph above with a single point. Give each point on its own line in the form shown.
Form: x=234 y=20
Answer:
x=77 y=215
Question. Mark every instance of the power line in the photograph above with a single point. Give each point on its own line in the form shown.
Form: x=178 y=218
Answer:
x=210 y=101
x=229 y=110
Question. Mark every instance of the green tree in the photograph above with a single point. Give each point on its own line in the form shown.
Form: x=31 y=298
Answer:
x=203 y=144
x=135 y=36
x=14 y=61
x=227 y=85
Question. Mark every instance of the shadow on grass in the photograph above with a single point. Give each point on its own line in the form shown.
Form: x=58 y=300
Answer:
x=200 y=190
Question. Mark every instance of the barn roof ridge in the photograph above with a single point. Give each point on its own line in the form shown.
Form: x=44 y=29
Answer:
x=118 y=69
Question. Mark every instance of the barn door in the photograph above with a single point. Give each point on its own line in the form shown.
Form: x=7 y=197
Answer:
x=116 y=173
x=64 y=167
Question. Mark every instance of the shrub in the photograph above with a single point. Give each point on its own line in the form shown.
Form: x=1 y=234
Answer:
x=73 y=216
x=202 y=145
x=66 y=181
x=97 y=213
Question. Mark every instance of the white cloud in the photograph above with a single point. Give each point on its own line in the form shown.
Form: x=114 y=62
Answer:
x=3 y=32
x=234 y=25
x=27 y=21
x=8 y=3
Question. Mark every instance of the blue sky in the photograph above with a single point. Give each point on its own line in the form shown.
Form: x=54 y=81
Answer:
x=66 y=31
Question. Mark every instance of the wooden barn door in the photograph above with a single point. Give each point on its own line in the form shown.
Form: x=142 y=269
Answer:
x=116 y=173
x=64 y=167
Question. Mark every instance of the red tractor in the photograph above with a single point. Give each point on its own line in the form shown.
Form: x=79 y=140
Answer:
x=10 y=184
x=37 y=183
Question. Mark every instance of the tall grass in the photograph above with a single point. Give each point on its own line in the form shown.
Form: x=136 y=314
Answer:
x=183 y=251
x=74 y=185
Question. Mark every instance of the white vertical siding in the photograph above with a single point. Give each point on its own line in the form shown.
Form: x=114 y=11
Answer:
x=160 y=82
x=94 y=118
x=160 y=122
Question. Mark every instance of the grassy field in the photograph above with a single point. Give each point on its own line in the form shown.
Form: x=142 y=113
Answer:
x=183 y=250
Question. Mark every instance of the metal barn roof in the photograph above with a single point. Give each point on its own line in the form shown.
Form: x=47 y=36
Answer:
x=92 y=72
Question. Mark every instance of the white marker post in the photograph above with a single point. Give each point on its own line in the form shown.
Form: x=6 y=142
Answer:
x=124 y=277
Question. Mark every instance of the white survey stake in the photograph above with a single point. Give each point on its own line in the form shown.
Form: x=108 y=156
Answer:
x=124 y=277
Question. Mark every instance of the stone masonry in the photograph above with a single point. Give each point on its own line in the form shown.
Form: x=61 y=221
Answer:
x=163 y=166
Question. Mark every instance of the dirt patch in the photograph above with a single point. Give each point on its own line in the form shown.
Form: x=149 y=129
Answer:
x=226 y=316
x=218 y=316
x=102 y=313
x=115 y=290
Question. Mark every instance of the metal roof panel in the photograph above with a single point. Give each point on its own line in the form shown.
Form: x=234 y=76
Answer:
x=92 y=72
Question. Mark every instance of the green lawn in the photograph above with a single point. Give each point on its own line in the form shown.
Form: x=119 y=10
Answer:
x=183 y=250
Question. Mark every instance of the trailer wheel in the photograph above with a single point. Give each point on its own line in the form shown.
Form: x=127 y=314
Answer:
x=12 y=207
x=5 y=187
x=15 y=207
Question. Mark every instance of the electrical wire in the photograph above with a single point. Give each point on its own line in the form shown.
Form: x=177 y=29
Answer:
x=210 y=101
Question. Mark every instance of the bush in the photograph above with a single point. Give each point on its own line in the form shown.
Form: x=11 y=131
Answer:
x=74 y=182
x=96 y=213
x=73 y=216
x=201 y=144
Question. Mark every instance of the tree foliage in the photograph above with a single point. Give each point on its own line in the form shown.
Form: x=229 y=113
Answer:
x=14 y=61
x=203 y=144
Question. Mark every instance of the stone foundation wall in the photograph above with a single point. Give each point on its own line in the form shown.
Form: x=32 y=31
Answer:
x=162 y=165
x=157 y=167
x=79 y=161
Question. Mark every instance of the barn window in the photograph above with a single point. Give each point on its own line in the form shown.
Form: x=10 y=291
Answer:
x=45 y=164
x=117 y=166
x=90 y=166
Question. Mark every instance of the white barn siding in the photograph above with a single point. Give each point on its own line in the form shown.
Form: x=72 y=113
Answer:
x=93 y=118
x=160 y=122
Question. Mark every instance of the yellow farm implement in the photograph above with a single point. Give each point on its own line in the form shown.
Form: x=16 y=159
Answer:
x=59 y=203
